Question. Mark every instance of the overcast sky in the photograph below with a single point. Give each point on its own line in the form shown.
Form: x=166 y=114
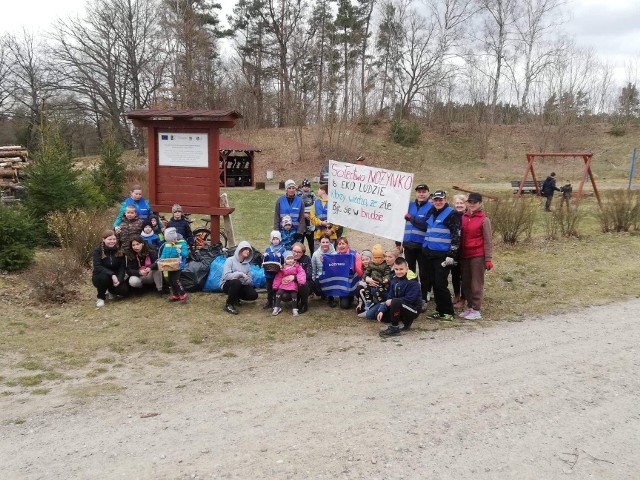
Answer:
x=610 y=27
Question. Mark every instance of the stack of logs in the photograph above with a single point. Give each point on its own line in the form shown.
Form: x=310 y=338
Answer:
x=13 y=159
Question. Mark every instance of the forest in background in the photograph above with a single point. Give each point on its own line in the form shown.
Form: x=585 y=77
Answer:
x=329 y=64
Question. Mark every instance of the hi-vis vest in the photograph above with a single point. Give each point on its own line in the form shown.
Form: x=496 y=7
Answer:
x=142 y=207
x=338 y=275
x=292 y=210
x=438 y=236
x=321 y=213
x=411 y=233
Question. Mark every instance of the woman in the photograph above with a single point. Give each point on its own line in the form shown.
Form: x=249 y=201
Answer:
x=355 y=271
x=460 y=206
x=299 y=255
x=142 y=267
x=109 y=266
x=236 y=279
x=317 y=270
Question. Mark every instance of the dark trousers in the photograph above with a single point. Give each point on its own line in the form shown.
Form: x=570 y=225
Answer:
x=547 y=203
x=286 y=295
x=456 y=279
x=236 y=291
x=438 y=275
x=104 y=283
x=414 y=257
x=177 y=289
x=400 y=312
x=270 y=293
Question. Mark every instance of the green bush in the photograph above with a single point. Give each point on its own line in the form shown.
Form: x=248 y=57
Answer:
x=620 y=210
x=110 y=174
x=512 y=221
x=563 y=221
x=18 y=238
x=618 y=131
x=404 y=134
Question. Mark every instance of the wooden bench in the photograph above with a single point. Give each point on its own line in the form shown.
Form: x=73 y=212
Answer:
x=528 y=187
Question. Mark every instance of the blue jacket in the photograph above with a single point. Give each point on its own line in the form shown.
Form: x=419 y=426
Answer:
x=288 y=238
x=175 y=250
x=273 y=253
x=183 y=228
x=143 y=209
x=406 y=288
x=152 y=240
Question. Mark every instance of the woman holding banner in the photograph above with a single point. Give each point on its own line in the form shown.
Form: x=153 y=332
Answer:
x=346 y=274
x=317 y=266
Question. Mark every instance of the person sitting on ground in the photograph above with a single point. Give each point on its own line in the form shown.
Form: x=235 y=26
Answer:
x=288 y=233
x=290 y=268
x=142 y=207
x=390 y=257
x=308 y=288
x=404 y=300
x=365 y=257
x=476 y=251
x=308 y=198
x=548 y=189
x=273 y=255
x=181 y=224
x=149 y=236
x=380 y=273
x=130 y=228
x=319 y=220
x=109 y=268
x=317 y=264
x=142 y=267
x=290 y=205
x=355 y=272
x=175 y=247
x=236 y=279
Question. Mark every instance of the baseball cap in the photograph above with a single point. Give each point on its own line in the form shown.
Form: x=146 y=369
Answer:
x=422 y=186
x=474 y=198
x=439 y=194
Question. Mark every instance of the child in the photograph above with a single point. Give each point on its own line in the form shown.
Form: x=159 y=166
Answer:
x=287 y=232
x=404 y=301
x=476 y=250
x=236 y=278
x=567 y=191
x=157 y=226
x=141 y=265
x=149 y=236
x=282 y=283
x=365 y=256
x=380 y=272
x=181 y=224
x=273 y=253
x=130 y=228
x=174 y=248
x=135 y=200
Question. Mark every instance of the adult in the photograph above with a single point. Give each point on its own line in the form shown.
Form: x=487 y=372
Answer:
x=109 y=265
x=414 y=232
x=142 y=266
x=548 y=189
x=325 y=247
x=135 y=199
x=308 y=198
x=460 y=206
x=236 y=279
x=355 y=272
x=475 y=255
x=290 y=205
x=318 y=216
x=440 y=250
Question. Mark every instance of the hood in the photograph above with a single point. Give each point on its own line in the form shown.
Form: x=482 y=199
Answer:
x=331 y=249
x=241 y=245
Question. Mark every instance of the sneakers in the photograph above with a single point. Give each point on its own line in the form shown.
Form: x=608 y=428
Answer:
x=424 y=306
x=230 y=309
x=173 y=298
x=332 y=302
x=362 y=315
x=441 y=316
x=465 y=312
x=110 y=296
x=183 y=298
x=276 y=311
x=473 y=315
x=429 y=297
x=390 y=331
x=161 y=294
x=303 y=308
x=294 y=312
x=407 y=325
x=99 y=303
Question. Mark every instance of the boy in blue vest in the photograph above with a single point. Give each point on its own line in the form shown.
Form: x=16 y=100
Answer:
x=440 y=252
x=404 y=300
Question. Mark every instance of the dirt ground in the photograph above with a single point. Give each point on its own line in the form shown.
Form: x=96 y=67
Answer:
x=547 y=398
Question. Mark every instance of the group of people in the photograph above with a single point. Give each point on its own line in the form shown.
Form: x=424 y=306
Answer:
x=440 y=241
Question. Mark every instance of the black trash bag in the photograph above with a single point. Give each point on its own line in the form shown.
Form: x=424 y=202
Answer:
x=207 y=253
x=194 y=276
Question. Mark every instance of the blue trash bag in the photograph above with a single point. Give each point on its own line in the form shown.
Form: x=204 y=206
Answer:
x=215 y=275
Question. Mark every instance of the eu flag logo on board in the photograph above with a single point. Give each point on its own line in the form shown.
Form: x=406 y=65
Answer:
x=164 y=137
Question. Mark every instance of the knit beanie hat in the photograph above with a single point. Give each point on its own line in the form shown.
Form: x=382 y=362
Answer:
x=276 y=234
x=171 y=235
x=289 y=183
x=286 y=220
x=176 y=208
x=288 y=254
x=366 y=253
x=377 y=250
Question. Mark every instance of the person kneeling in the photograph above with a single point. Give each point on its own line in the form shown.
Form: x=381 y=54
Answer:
x=404 y=300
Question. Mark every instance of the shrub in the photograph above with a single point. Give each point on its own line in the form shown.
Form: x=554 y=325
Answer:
x=512 y=221
x=620 y=210
x=403 y=134
x=78 y=232
x=617 y=131
x=110 y=174
x=18 y=237
x=563 y=221
x=56 y=276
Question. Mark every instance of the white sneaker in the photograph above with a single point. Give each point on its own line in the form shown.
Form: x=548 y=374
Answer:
x=465 y=312
x=276 y=311
x=295 y=312
x=99 y=303
x=363 y=314
x=473 y=315
x=428 y=297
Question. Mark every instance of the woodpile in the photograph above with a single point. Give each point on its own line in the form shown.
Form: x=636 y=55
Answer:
x=13 y=159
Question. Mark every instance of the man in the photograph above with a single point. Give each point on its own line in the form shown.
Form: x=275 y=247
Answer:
x=440 y=251
x=414 y=232
x=307 y=196
x=290 y=204
x=548 y=189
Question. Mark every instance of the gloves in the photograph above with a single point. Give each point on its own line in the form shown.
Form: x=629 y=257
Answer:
x=448 y=262
x=407 y=217
x=488 y=264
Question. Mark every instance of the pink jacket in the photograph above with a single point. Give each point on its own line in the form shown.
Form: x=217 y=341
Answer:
x=295 y=269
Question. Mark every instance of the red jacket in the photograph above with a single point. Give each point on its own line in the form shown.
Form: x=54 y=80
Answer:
x=472 y=234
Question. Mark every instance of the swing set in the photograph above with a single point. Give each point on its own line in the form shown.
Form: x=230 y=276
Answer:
x=586 y=173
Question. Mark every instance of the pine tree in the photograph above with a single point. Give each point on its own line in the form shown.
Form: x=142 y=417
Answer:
x=109 y=176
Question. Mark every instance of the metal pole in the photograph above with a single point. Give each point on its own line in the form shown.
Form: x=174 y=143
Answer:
x=633 y=162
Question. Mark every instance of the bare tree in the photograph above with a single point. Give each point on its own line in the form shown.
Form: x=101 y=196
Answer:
x=5 y=70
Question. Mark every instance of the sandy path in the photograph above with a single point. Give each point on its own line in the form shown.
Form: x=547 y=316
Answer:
x=541 y=399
